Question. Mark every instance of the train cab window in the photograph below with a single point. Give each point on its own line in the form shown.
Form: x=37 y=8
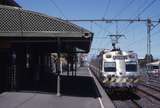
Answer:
x=131 y=66
x=109 y=66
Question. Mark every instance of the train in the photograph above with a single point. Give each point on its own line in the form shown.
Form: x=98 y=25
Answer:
x=153 y=68
x=116 y=68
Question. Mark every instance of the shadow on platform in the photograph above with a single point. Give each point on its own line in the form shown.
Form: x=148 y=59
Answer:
x=81 y=86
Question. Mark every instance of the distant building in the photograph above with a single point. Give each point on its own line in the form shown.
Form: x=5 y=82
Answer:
x=83 y=59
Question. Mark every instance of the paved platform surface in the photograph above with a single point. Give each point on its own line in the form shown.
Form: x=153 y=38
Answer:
x=37 y=100
x=79 y=92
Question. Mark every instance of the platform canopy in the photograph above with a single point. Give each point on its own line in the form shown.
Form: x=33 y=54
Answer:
x=22 y=26
x=156 y=63
x=9 y=3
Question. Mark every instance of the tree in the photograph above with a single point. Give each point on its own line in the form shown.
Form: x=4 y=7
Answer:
x=147 y=59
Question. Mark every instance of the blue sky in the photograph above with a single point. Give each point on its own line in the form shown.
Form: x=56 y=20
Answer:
x=97 y=9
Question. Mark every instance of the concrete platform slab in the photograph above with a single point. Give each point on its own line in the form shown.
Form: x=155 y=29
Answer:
x=37 y=100
x=82 y=91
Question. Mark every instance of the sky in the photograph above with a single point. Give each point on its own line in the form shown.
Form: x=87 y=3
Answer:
x=135 y=33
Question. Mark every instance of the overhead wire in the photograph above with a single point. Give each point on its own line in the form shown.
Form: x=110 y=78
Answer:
x=134 y=42
x=108 y=3
x=129 y=24
x=120 y=12
x=145 y=8
x=98 y=42
x=104 y=37
x=107 y=8
x=140 y=7
x=58 y=8
x=96 y=37
x=103 y=29
x=155 y=33
x=140 y=13
x=125 y=8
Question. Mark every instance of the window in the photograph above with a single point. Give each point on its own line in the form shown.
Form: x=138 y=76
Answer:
x=131 y=66
x=108 y=56
x=109 y=66
x=155 y=67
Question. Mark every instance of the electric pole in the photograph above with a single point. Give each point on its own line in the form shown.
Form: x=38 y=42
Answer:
x=149 y=56
x=149 y=24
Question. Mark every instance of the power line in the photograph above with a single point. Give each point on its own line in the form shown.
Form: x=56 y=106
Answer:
x=126 y=28
x=128 y=25
x=99 y=37
x=141 y=12
x=107 y=8
x=139 y=7
x=101 y=27
x=134 y=42
x=153 y=34
x=145 y=8
x=111 y=20
x=125 y=8
x=60 y=11
x=154 y=26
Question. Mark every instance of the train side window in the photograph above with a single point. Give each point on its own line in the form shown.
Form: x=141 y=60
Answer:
x=155 y=67
x=100 y=64
x=109 y=66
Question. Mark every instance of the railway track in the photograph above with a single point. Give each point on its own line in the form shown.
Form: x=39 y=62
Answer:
x=144 y=97
x=154 y=81
x=148 y=100
x=125 y=99
x=152 y=86
x=152 y=92
x=126 y=104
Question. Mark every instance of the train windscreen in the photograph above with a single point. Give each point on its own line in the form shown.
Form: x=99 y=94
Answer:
x=131 y=66
x=109 y=66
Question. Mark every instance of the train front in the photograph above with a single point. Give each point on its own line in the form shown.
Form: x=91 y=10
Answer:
x=120 y=69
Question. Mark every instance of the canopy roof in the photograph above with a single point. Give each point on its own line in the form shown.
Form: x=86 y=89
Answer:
x=9 y=3
x=156 y=63
x=27 y=26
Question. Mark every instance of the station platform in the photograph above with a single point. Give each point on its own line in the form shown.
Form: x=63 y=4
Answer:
x=81 y=91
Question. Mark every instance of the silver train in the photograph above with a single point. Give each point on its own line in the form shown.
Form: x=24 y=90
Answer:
x=116 y=68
